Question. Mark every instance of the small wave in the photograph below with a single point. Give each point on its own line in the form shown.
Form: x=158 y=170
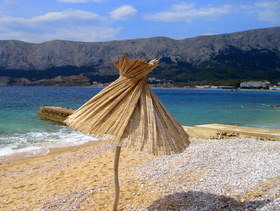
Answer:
x=272 y=126
x=36 y=142
x=6 y=151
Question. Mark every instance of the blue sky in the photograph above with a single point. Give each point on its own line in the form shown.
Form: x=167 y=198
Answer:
x=103 y=20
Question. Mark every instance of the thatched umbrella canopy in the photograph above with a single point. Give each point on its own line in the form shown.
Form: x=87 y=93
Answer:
x=130 y=114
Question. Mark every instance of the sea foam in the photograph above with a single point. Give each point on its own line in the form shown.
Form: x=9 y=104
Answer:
x=36 y=142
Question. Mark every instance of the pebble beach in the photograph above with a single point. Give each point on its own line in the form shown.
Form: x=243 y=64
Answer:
x=229 y=174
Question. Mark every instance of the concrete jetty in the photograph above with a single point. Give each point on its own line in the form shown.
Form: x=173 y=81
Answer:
x=55 y=113
x=207 y=131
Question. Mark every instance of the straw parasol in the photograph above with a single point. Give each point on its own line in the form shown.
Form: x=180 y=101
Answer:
x=130 y=114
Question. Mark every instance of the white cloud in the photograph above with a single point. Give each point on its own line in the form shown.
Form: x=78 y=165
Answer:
x=268 y=11
x=87 y=34
x=122 y=13
x=53 y=16
x=75 y=25
x=79 y=1
x=188 y=12
x=80 y=14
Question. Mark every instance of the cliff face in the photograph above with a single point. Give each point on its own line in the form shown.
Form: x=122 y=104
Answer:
x=254 y=50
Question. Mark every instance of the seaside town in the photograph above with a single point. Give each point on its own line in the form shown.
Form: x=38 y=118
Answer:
x=162 y=83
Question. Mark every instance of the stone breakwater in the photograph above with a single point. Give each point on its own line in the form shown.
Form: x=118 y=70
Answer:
x=229 y=174
x=55 y=113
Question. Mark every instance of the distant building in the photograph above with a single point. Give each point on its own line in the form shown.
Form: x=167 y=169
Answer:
x=207 y=87
x=155 y=80
x=274 y=88
x=227 y=87
x=255 y=84
x=97 y=84
x=199 y=87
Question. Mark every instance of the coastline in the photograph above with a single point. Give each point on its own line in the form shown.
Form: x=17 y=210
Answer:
x=261 y=90
x=206 y=131
x=255 y=90
x=41 y=138
x=25 y=156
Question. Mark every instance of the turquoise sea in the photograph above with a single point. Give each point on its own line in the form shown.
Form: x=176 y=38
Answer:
x=21 y=130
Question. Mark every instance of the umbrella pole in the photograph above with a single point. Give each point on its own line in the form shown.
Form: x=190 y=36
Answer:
x=116 y=177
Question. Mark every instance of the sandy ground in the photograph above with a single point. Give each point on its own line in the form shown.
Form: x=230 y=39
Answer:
x=209 y=175
x=78 y=178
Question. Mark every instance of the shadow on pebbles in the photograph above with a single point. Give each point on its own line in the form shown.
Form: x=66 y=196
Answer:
x=195 y=200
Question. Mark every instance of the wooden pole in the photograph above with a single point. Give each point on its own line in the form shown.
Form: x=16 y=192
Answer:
x=116 y=177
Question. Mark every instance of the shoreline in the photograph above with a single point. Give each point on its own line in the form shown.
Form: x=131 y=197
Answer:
x=207 y=131
x=256 y=90
x=24 y=156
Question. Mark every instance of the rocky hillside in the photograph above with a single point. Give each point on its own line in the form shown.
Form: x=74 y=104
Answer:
x=253 y=54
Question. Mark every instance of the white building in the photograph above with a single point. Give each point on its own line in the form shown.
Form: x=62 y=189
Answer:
x=274 y=88
x=254 y=84
x=207 y=87
x=199 y=87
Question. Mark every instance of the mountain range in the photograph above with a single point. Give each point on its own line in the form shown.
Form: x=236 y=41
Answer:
x=218 y=59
